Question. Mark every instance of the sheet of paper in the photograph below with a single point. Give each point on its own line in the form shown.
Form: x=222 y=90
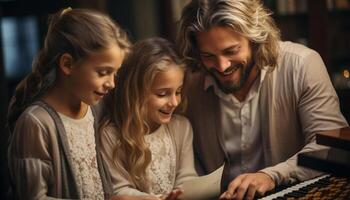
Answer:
x=203 y=187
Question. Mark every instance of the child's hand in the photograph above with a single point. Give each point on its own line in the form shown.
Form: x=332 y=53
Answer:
x=126 y=197
x=173 y=195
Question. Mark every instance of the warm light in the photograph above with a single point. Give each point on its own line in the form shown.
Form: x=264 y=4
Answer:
x=346 y=73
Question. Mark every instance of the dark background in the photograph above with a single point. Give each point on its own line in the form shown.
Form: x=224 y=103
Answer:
x=323 y=25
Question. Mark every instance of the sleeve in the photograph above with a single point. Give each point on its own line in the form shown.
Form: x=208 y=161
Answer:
x=318 y=106
x=288 y=172
x=185 y=168
x=121 y=184
x=30 y=163
x=318 y=111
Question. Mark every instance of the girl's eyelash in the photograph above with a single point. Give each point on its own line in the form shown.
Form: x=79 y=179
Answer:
x=102 y=73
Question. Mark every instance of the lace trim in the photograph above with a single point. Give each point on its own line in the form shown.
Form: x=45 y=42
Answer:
x=81 y=140
x=162 y=168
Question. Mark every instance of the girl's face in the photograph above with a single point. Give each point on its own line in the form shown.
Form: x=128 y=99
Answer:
x=93 y=77
x=165 y=95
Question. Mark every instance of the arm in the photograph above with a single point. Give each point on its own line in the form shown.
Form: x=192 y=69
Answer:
x=122 y=185
x=30 y=162
x=318 y=111
x=184 y=138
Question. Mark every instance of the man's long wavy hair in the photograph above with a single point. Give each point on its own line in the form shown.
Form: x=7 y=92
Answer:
x=249 y=18
x=128 y=104
x=78 y=32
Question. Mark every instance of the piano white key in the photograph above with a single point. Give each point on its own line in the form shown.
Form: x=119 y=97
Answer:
x=293 y=188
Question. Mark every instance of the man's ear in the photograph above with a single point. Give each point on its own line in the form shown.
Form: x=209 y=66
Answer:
x=66 y=63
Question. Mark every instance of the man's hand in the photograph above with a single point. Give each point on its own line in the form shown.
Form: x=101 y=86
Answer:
x=246 y=185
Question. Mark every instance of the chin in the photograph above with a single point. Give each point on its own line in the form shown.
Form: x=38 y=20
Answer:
x=165 y=121
x=92 y=102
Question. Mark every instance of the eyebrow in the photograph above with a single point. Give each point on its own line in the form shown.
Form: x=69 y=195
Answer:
x=166 y=88
x=226 y=49
x=106 y=68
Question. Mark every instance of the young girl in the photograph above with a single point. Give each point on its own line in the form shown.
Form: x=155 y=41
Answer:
x=52 y=151
x=148 y=149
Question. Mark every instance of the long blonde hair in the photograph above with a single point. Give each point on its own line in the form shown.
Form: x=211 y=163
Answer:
x=247 y=17
x=129 y=110
x=79 y=32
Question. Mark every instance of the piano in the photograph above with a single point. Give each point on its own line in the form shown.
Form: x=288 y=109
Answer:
x=335 y=162
x=323 y=187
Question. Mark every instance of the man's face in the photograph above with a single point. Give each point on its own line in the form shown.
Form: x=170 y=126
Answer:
x=227 y=56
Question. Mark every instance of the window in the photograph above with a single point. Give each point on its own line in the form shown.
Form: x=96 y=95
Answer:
x=19 y=43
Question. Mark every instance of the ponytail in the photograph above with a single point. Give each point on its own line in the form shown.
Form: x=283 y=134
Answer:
x=31 y=87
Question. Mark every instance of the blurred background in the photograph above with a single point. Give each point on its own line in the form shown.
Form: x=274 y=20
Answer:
x=323 y=25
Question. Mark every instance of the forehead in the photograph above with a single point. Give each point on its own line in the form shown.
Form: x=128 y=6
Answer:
x=171 y=77
x=111 y=56
x=111 y=53
x=218 y=38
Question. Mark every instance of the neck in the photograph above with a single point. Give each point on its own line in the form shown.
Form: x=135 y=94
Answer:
x=153 y=127
x=64 y=102
x=242 y=93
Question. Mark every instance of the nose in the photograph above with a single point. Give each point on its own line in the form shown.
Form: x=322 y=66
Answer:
x=110 y=84
x=222 y=63
x=174 y=100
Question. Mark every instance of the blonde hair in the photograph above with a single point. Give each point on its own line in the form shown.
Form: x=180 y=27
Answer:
x=79 y=32
x=246 y=17
x=128 y=104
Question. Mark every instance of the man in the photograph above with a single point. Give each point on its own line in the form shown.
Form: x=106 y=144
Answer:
x=252 y=99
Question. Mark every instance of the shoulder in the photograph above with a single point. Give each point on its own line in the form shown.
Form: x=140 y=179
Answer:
x=297 y=59
x=33 y=130
x=180 y=127
x=179 y=121
x=296 y=53
x=295 y=49
x=109 y=134
x=35 y=116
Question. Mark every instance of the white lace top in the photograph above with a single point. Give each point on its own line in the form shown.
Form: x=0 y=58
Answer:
x=81 y=140
x=162 y=170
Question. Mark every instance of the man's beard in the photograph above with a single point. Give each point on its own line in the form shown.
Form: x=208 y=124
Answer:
x=231 y=87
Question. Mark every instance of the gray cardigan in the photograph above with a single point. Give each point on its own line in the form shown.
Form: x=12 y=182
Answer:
x=39 y=159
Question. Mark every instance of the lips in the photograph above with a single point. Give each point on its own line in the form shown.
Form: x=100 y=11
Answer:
x=230 y=70
x=102 y=94
x=166 y=112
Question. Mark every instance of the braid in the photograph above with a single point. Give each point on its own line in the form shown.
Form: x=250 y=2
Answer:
x=31 y=87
